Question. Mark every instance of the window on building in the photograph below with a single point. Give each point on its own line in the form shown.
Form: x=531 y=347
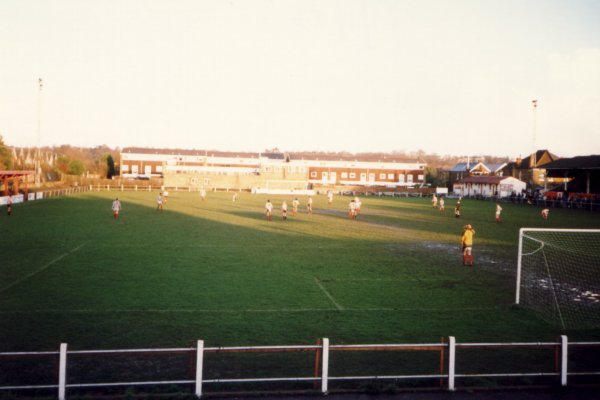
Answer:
x=382 y=176
x=352 y=175
x=344 y=175
x=313 y=174
x=420 y=177
x=409 y=178
x=390 y=177
x=125 y=167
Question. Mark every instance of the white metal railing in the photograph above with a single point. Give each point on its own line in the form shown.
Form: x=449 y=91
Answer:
x=322 y=351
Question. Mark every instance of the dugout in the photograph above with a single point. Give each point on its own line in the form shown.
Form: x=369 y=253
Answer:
x=11 y=181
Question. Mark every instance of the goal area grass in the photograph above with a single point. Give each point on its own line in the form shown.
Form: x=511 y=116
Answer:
x=217 y=270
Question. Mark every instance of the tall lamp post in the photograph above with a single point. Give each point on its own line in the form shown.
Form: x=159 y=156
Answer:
x=38 y=167
x=533 y=163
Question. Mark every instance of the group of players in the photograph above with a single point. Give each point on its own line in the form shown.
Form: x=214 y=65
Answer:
x=466 y=238
x=161 y=199
x=353 y=207
x=284 y=208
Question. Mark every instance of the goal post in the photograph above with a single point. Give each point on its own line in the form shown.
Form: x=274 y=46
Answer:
x=558 y=275
x=286 y=184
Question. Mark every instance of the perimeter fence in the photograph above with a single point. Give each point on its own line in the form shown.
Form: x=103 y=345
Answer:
x=320 y=368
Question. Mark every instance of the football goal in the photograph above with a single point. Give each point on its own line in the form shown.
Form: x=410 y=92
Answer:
x=558 y=275
x=284 y=184
x=285 y=187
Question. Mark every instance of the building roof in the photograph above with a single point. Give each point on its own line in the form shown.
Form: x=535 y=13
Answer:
x=185 y=152
x=359 y=157
x=320 y=156
x=579 y=162
x=496 y=167
x=273 y=156
x=542 y=158
x=14 y=174
x=462 y=167
x=485 y=180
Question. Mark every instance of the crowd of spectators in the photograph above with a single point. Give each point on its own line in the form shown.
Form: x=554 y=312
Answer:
x=587 y=201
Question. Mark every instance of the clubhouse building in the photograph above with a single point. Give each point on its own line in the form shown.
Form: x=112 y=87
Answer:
x=247 y=171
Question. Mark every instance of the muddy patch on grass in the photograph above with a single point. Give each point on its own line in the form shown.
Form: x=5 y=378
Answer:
x=451 y=254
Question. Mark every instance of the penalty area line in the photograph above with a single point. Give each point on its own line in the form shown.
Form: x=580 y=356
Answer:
x=42 y=268
x=329 y=296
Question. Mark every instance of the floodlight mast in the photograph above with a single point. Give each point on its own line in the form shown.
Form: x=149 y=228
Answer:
x=533 y=160
x=39 y=134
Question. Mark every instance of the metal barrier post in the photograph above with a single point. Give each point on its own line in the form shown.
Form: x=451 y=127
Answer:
x=62 y=372
x=564 y=346
x=199 y=366
x=451 y=361
x=325 y=367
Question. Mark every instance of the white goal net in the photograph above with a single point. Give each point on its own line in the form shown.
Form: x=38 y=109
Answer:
x=558 y=275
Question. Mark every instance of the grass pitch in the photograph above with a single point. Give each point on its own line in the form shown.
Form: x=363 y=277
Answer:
x=217 y=270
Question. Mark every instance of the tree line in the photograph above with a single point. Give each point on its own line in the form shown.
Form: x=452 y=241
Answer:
x=65 y=159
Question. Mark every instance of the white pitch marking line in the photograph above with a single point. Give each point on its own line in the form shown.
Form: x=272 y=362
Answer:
x=335 y=303
x=270 y=311
x=57 y=259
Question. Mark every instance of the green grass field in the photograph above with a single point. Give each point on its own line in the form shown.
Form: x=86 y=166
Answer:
x=218 y=271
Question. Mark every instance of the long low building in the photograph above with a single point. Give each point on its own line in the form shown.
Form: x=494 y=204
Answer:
x=230 y=170
x=486 y=186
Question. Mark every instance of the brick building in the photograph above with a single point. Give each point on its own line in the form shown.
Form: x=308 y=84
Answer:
x=231 y=170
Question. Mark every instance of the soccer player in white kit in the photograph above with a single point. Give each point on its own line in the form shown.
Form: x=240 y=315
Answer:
x=545 y=213
x=159 y=202
x=116 y=207
x=309 y=204
x=269 y=210
x=352 y=209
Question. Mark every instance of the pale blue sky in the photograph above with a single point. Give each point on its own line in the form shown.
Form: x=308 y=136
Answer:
x=451 y=77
